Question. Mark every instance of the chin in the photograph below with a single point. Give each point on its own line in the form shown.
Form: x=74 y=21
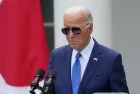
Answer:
x=74 y=47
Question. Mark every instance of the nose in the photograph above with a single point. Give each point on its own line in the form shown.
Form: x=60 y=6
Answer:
x=71 y=34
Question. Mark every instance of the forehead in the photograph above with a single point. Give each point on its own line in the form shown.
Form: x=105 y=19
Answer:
x=74 y=18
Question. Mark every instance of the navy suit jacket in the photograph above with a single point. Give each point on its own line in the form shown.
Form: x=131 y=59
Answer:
x=103 y=75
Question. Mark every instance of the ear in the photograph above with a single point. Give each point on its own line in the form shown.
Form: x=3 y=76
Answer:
x=90 y=28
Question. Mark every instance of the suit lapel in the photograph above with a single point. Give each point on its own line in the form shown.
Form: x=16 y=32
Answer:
x=91 y=66
x=67 y=67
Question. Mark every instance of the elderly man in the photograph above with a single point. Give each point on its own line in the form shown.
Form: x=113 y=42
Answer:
x=85 y=66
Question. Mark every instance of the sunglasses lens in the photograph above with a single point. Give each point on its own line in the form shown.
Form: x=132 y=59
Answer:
x=65 y=30
x=76 y=30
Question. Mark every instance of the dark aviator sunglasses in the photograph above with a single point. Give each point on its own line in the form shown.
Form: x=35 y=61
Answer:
x=75 y=30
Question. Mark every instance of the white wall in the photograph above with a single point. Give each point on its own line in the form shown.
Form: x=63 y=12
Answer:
x=126 y=38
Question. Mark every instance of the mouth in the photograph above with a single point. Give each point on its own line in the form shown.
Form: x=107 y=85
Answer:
x=73 y=42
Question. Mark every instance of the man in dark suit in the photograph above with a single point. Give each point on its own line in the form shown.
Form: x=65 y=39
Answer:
x=85 y=66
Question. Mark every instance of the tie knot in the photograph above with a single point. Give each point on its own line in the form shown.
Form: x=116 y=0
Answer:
x=78 y=55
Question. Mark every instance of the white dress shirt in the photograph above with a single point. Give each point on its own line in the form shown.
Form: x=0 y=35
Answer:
x=86 y=52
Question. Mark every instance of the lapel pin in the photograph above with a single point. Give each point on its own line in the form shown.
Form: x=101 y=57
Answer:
x=95 y=59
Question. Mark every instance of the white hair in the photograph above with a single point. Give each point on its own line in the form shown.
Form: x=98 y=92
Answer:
x=88 y=15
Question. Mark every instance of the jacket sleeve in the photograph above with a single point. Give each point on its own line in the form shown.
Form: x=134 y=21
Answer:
x=117 y=77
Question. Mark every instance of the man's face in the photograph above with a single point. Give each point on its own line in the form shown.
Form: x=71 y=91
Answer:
x=77 y=41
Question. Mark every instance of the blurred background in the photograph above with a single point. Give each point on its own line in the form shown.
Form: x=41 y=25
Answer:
x=116 y=25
